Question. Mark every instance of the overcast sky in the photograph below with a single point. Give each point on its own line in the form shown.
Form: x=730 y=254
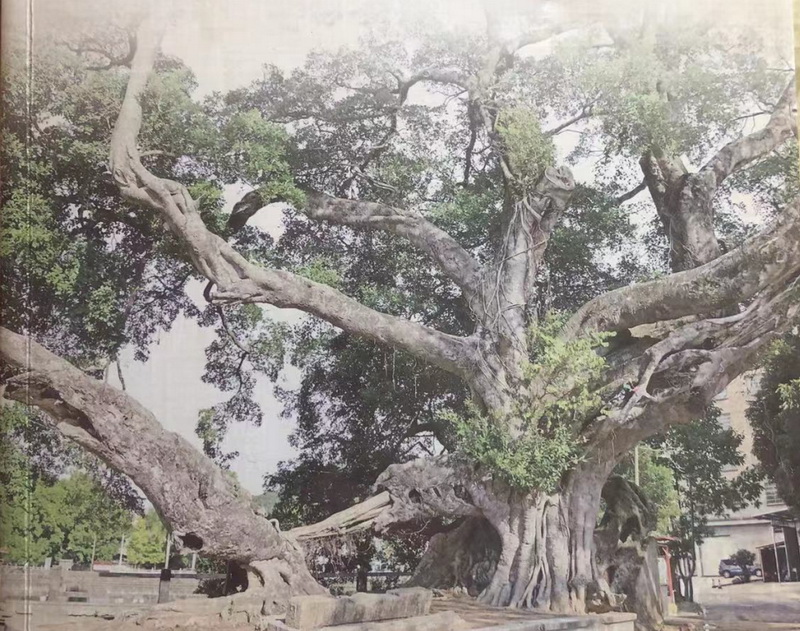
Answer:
x=226 y=45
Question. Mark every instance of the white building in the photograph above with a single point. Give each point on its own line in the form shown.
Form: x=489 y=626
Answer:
x=750 y=528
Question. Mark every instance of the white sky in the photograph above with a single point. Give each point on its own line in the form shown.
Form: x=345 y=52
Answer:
x=226 y=44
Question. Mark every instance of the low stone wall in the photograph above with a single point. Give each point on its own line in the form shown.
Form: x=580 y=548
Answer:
x=314 y=612
x=62 y=585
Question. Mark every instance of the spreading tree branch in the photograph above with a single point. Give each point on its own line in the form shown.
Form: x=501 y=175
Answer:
x=735 y=155
x=237 y=279
x=768 y=259
x=684 y=200
x=585 y=113
x=201 y=504
x=451 y=257
x=94 y=48
x=631 y=193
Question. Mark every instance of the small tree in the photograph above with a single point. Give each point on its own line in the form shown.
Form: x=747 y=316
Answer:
x=697 y=453
x=147 y=542
x=55 y=504
x=775 y=418
x=745 y=560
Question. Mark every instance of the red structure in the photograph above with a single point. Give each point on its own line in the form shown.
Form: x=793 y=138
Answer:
x=663 y=552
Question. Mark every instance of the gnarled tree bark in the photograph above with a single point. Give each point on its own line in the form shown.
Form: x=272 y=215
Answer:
x=684 y=200
x=547 y=544
x=547 y=555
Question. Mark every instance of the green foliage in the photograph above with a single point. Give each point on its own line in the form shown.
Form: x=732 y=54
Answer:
x=69 y=519
x=73 y=253
x=467 y=217
x=255 y=150
x=565 y=374
x=529 y=461
x=657 y=482
x=676 y=92
x=54 y=503
x=148 y=540
x=790 y=394
x=698 y=455
x=211 y=432
x=321 y=271
x=529 y=150
x=540 y=441
x=775 y=418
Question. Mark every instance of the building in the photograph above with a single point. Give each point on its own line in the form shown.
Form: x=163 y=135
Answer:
x=766 y=529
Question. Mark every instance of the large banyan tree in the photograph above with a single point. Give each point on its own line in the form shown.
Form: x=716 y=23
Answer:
x=582 y=314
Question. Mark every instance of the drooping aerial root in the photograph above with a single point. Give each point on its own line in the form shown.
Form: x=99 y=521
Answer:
x=546 y=560
x=522 y=576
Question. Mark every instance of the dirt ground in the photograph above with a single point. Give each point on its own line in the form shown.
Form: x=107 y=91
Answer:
x=755 y=606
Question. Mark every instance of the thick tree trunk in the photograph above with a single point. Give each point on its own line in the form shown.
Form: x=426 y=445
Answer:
x=205 y=510
x=542 y=551
x=463 y=558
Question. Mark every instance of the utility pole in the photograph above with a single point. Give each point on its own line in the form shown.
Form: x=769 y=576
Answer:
x=169 y=549
x=94 y=548
x=775 y=550
x=121 y=547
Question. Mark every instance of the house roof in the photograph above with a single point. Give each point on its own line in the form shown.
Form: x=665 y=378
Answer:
x=783 y=517
x=765 y=546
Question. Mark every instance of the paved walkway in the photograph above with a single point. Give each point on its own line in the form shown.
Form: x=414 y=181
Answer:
x=756 y=602
x=755 y=606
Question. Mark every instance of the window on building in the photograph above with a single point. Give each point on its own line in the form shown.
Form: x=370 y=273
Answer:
x=771 y=495
x=725 y=420
x=722 y=395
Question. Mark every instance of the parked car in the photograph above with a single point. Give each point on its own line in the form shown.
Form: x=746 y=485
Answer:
x=728 y=568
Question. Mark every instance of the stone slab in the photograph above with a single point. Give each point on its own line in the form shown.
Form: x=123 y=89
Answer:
x=442 y=621
x=604 y=622
x=554 y=624
x=314 y=612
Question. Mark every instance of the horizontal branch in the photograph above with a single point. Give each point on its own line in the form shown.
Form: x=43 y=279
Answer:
x=621 y=199
x=436 y=75
x=686 y=369
x=586 y=112
x=356 y=518
x=766 y=259
x=456 y=263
